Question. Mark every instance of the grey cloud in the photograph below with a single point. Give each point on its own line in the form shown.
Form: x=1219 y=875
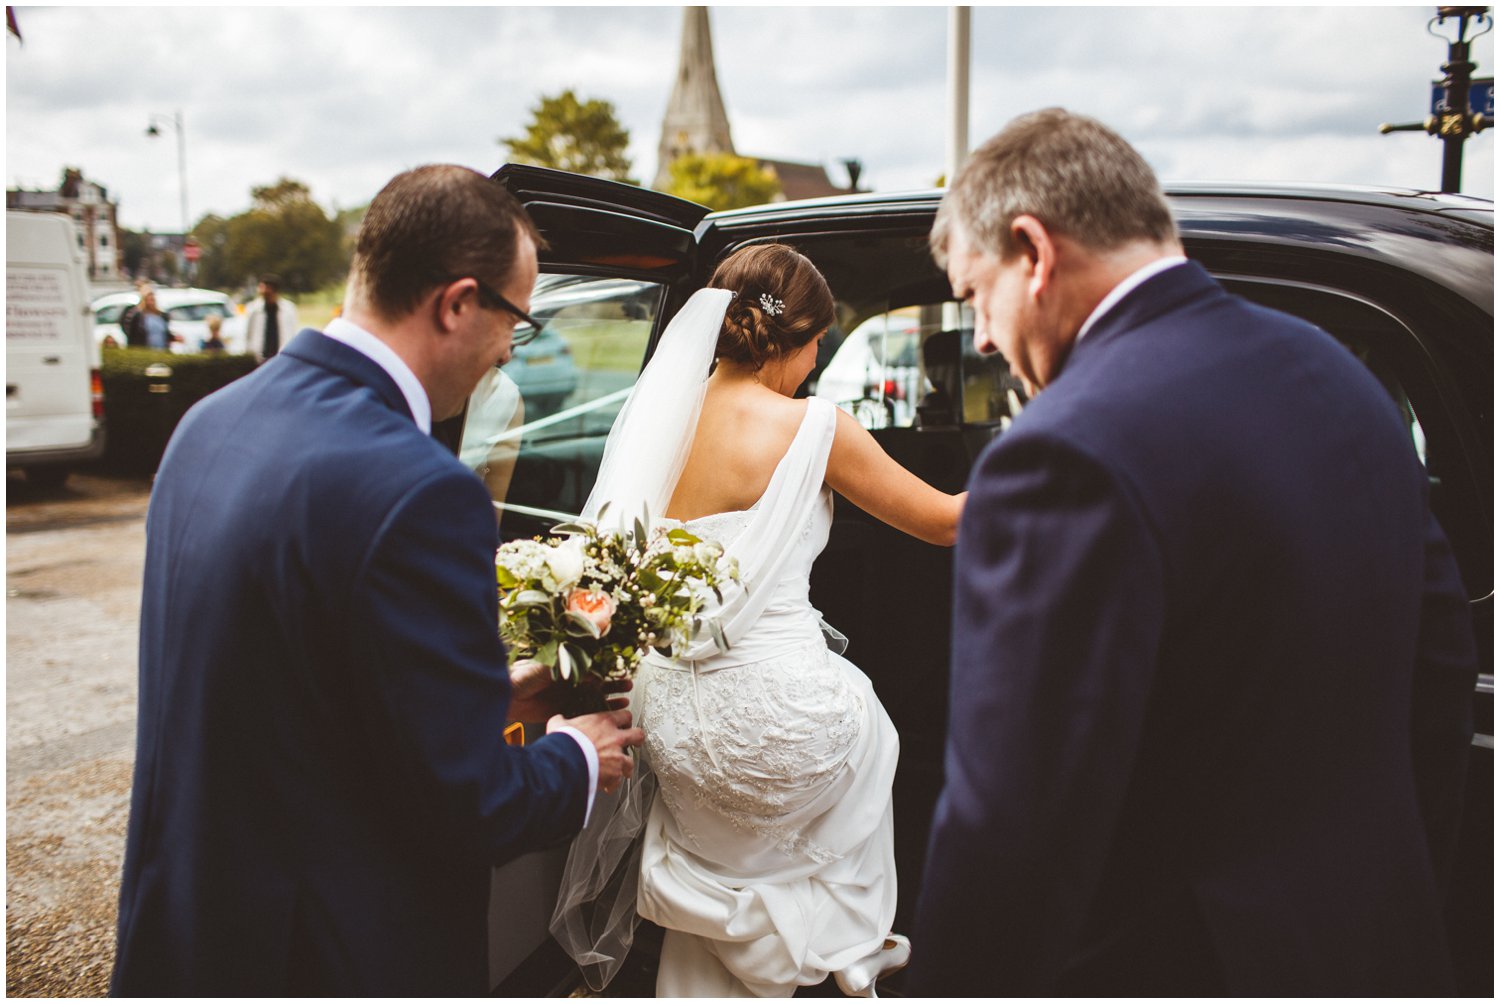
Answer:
x=342 y=98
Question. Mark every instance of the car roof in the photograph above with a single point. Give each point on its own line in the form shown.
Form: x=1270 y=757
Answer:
x=110 y=299
x=164 y=297
x=1479 y=209
x=1445 y=238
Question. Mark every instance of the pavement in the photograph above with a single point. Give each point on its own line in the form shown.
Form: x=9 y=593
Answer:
x=74 y=558
x=73 y=572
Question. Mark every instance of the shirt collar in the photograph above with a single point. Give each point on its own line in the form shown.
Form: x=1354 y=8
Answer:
x=1129 y=283
x=343 y=330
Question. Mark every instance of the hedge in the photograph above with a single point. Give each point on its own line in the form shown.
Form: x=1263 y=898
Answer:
x=139 y=420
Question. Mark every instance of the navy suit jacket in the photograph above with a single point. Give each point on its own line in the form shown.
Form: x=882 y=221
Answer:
x=1212 y=677
x=321 y=783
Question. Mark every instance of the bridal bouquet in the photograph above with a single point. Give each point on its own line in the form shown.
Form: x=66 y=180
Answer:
x=588 y=603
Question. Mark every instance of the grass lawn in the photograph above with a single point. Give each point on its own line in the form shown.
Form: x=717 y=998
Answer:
x=615 y=346
x=315 y=310
x=609 y=344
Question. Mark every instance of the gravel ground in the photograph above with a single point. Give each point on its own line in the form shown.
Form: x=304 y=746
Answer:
x=73 y=569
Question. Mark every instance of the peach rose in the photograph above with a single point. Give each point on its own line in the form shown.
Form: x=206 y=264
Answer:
x=598 y=607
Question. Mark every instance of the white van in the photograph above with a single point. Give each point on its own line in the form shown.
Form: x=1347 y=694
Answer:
x=54 y=396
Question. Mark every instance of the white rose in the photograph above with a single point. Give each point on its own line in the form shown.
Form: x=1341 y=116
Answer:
x=565 y=562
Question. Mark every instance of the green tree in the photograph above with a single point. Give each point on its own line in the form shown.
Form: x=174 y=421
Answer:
x=214 y=267
x=284 y=231
x=572 y=135
x=349 y=221
x=135 y=249
x=722 y=180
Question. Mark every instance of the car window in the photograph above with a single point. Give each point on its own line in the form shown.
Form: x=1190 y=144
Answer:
x=535 y=427
x=875 y=373
x=196 y=311
x=110 y=314
x=917 y=366
x=992 y=394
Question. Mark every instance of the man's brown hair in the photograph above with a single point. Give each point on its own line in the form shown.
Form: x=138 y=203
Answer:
x=430 y=226
x=1074 y=174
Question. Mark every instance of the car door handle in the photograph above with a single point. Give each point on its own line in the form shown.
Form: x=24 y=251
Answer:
x=10 y=390
x=51 y=360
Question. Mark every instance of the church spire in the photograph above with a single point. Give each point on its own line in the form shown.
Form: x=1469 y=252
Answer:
x=695 y=121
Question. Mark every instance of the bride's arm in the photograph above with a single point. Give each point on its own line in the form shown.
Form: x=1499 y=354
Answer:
x=863 y=473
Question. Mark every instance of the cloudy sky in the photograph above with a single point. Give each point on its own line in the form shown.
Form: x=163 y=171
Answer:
x=341 y=98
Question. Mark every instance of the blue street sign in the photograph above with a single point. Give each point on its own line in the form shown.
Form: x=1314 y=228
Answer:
x=1481 y=97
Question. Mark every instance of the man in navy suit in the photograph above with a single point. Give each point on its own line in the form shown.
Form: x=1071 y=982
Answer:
x=321 y=783
x=1212 y=661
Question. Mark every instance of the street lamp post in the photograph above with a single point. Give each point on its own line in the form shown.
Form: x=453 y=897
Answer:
x=151 y=130
x=1458 y=123
x=958 y=89
x=958 y=124
x=1453 y=120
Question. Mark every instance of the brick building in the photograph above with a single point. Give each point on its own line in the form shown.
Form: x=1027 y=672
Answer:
x=95 y=220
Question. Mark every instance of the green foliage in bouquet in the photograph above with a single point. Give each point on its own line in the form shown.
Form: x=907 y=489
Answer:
x=589 y=603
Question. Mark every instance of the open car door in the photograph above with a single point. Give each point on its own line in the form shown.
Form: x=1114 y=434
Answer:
x=618 y=263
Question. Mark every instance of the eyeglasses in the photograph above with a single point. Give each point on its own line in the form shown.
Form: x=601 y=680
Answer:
x=489 y=299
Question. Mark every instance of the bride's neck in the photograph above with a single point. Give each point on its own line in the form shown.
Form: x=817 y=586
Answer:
x=729 y=373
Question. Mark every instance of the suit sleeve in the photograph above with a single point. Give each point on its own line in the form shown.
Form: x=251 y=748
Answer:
x=1058 y=609
x=425 y=607
x=1442 y=699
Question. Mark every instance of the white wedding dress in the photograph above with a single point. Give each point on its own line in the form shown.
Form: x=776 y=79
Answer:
x=768 y=853
x=758 y=831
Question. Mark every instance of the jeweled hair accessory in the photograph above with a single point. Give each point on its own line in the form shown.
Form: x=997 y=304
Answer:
x=771 y=305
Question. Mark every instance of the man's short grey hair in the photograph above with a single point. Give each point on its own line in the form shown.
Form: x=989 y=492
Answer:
x=1074 y=174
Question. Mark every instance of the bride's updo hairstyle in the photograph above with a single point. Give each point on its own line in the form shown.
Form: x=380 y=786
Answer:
x=781 y=302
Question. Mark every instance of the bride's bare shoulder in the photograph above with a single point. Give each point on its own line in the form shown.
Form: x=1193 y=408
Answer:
x=756 y=416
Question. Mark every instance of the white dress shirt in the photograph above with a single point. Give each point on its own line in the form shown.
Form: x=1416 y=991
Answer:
x=342 y=330
x=1127 y=284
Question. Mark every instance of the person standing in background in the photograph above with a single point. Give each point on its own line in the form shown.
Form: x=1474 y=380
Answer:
x=147 y=327
x=270 y=320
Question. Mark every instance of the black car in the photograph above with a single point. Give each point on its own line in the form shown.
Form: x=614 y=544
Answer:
x=1404 y=279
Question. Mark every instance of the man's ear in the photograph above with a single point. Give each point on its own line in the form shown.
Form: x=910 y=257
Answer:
x=1041 y=253
x=451 y=301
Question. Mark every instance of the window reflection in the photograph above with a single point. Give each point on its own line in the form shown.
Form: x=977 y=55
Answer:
x=917 y=366
x=535 y=428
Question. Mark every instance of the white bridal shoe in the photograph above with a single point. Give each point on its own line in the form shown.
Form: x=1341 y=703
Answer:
x=859 y=979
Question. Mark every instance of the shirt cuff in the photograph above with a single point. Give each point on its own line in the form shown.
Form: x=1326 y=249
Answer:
x=592 y=756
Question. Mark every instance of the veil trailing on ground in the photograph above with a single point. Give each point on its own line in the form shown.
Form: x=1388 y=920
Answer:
x=595 y=917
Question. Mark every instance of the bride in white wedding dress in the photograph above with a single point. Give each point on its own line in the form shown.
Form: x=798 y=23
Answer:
x=767 y=852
